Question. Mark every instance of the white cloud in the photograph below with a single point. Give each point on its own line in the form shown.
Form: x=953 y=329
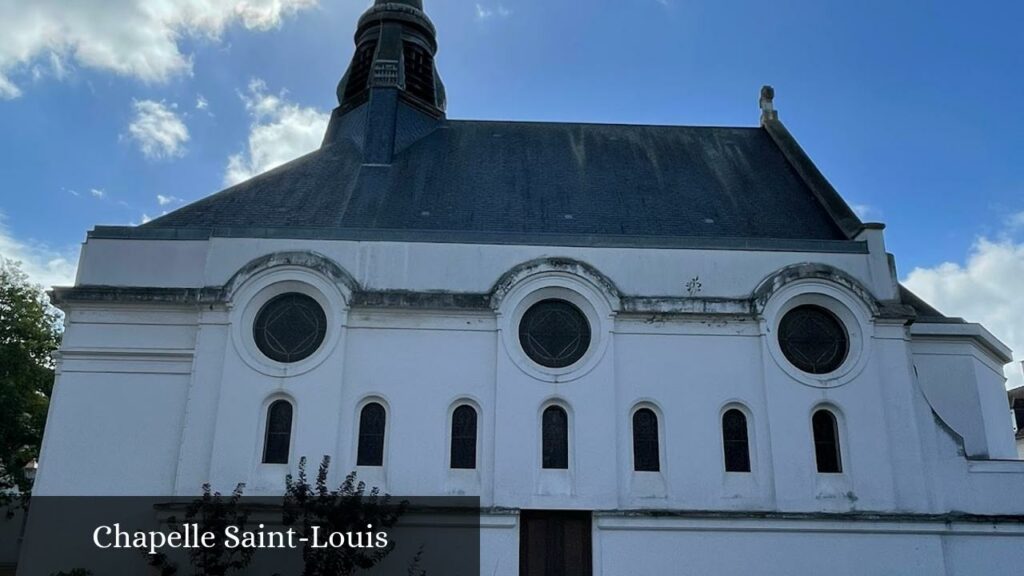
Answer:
x=486 y=13
x=44 y=265
x=863 y=211
x=53 y=66
x=135 y=38
x=280 y=131
x=96 y=193
x=7 y=88
x=1015 y=221
x=57 y=66
x=158 y=130
x=986 y=289
x=165 y=200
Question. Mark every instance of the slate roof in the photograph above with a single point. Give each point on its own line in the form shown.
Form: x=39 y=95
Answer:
x=925 y=311
x=546 y=178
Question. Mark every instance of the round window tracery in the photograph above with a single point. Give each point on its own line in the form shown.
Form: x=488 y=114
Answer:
x=813 y=339
x=554 y=333
x=290 y=327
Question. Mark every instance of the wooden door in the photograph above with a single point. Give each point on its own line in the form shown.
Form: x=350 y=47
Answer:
x=554 y=543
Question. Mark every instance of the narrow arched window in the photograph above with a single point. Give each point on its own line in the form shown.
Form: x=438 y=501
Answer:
x=646 y=457
x=372 y=421
x=463 y=454
x=735 y=441
x=826 y=442
x=555 y=438
x=277 y=439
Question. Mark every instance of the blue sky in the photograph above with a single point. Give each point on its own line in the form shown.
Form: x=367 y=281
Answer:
x=912 y=109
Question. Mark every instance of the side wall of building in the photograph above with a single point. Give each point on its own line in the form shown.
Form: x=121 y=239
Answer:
x=183 y=379
x=119 y=401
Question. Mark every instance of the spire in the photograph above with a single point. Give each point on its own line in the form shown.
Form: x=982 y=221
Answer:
x=395 y=47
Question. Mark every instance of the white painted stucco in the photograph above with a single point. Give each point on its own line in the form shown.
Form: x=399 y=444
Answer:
x=157 y=398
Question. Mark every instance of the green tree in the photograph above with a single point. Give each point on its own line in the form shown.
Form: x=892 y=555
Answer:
x=213 y=513
x=30 y=330
x=347 y=509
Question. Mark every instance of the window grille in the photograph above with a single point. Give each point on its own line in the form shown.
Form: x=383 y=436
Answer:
x=290 y=327
x=735 y=441
x=278 y=438
x=372 y=422
x=555 y=438
x=463 y=450
x=813 y=339
x=359 y=74
x=646 y=457
x=419 y=72
x=826 y=442
x=554 y=333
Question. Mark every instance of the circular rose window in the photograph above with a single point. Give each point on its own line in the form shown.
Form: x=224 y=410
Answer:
x=813 y=339
x=290 y=327
x=554 y=333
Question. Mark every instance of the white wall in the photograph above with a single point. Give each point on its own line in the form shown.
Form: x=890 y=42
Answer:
x=641 y=547
x=447 y=267
x=118 y=405
x=158 y=399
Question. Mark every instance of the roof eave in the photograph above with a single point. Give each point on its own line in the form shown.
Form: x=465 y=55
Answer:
x=964 y=331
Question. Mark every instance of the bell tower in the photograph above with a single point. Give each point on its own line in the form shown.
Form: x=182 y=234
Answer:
x=395 y=47
x=391 y=94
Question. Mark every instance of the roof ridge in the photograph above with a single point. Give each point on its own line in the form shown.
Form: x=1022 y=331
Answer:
x=599 y=124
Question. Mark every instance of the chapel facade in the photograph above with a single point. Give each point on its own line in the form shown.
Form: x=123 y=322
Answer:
x=647 y=349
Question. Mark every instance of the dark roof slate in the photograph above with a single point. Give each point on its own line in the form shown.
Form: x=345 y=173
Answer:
x=925 y=311
x=536 y=178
